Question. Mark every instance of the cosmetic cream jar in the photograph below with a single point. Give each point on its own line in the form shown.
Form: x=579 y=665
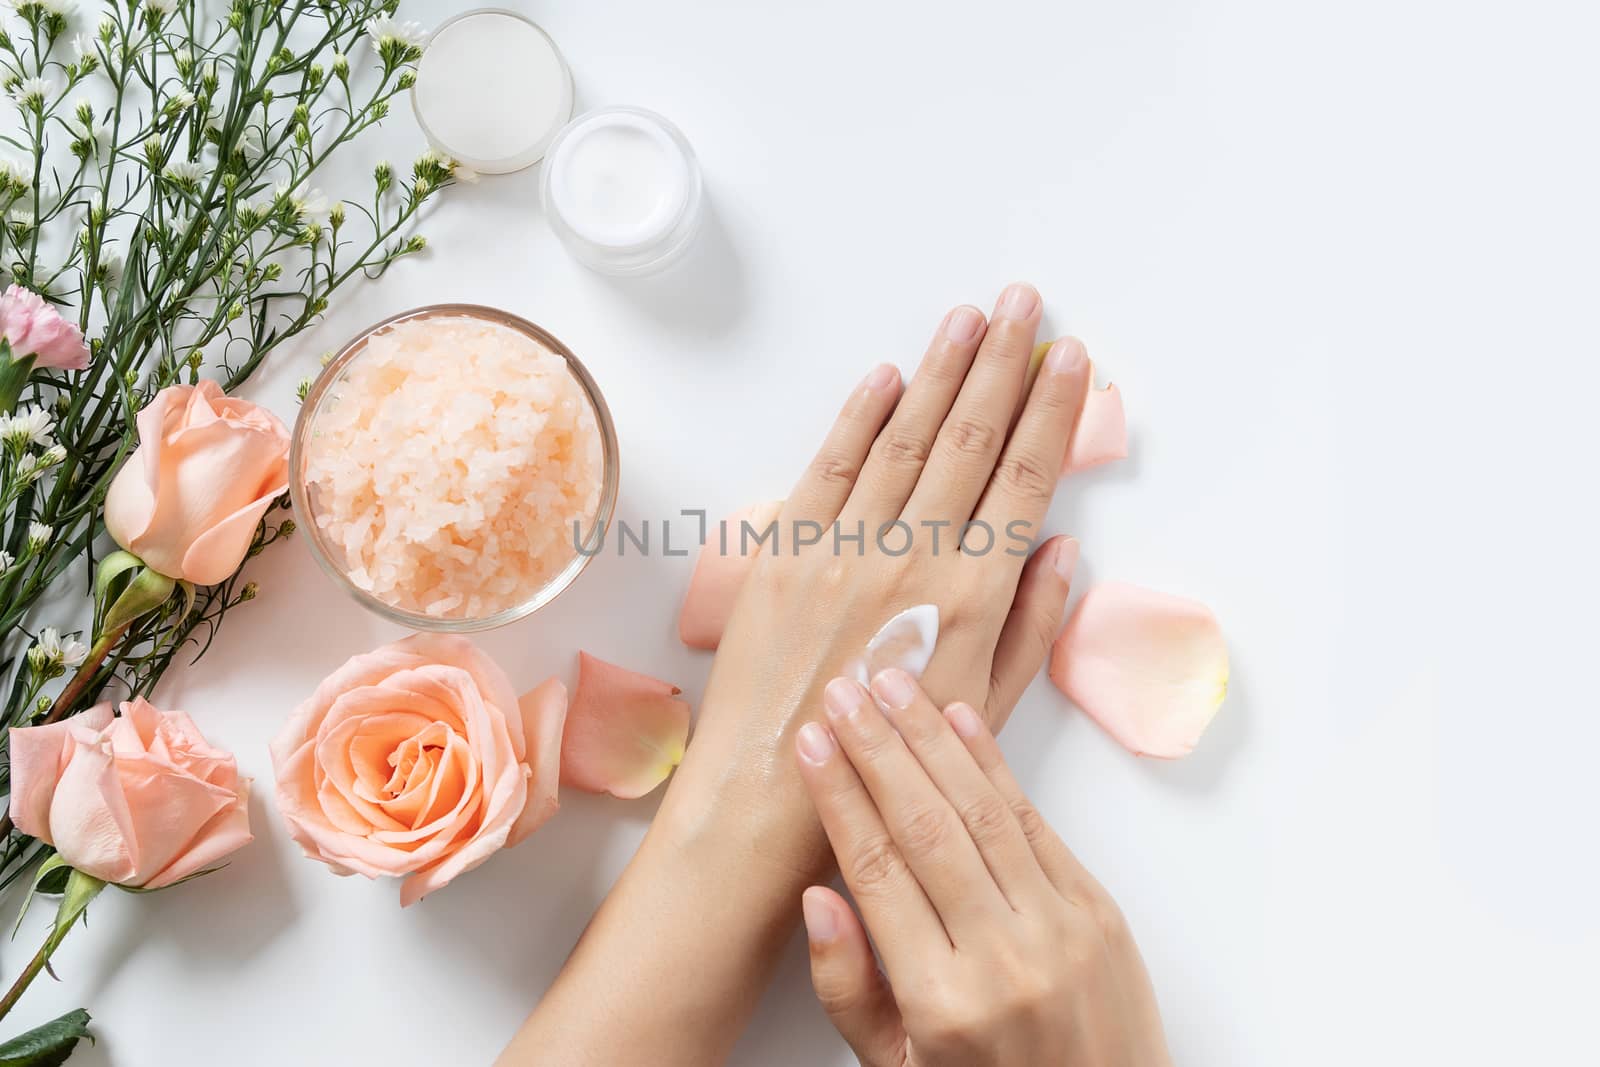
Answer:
x=492 y=90
x=622 y=190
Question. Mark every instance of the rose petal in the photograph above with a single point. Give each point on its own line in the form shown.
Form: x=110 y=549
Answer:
x=1102 y=431
x=544 y=720
x=38 y=756
x=724 y=563
x=1150 y=668
x=625 y=731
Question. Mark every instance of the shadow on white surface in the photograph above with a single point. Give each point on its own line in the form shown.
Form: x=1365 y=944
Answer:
x=703 y=294
x=200 y=919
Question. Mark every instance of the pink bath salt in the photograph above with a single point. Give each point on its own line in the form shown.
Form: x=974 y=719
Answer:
x=449 y=464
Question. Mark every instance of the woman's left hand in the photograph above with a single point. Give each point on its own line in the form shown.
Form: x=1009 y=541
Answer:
x=1000 y=949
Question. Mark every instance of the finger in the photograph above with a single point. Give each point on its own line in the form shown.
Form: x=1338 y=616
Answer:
x=1031 y=626
x=1060 y=865
x=898 y=455
x=846 y=978
x=923 y=825
x=827 y=481
x=904 y=924
x=981 y=809
x=1030 y=464
x=967 y=445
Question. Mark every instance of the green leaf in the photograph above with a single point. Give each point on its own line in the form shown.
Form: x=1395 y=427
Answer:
x=13 y=377
x=48 y=1045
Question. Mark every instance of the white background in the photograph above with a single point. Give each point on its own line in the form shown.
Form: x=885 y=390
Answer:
x=1342 y=260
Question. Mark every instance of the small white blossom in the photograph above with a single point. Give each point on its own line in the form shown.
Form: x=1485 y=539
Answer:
x=310 y=202
x=22 y=218
x=53 y=455
x=158 y=7
x=52 y=655
x=185 y=171
x=30 y=426
x=5 y=561
x=83 y=46
x=385 y=28
x=38 y=536
x=33 y=91
x=183 y=100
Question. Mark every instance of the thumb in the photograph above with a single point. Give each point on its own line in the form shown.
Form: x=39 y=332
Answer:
x=852 y=990
x=1031 y=626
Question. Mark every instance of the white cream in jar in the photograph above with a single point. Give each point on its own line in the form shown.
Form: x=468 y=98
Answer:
x=622 y=190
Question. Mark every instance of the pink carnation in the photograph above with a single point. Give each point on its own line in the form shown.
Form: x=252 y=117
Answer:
x=34 y=328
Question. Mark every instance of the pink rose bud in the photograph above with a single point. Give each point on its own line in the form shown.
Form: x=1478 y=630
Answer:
x=208 y=466
x=141 y=800
x=34 y=328
x=417 y=760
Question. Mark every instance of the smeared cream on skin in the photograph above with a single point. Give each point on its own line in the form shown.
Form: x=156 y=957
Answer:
x=905 y=641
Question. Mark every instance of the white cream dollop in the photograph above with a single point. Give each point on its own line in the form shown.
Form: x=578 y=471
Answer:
x=905 y=641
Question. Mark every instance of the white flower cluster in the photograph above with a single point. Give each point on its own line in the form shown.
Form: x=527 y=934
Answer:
x=53 y=655
x=30 y=426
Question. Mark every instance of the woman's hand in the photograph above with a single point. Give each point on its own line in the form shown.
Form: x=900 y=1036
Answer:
x=1000 y=949
x=967 y=441
x=713 y=887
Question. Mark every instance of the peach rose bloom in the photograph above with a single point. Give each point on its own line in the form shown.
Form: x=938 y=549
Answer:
x=418 y=760
x=141 y=800
x=208 y=466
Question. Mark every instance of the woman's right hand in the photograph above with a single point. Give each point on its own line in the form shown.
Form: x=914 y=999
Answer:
x=1000 y=949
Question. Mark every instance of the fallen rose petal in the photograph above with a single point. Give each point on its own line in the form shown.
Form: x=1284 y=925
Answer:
x=625 y=732
x=1102 y=431
x=1150 y=668
x=724 y=563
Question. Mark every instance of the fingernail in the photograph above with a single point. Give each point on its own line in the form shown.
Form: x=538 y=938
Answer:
x=962 y=324
x=1067 y=354
x=894 y=688
x=843 y=698
x=881 y=377
x=963 y=720
x=821 y=923
x=1019 y=301
x=815 y=743
x=1066 y=558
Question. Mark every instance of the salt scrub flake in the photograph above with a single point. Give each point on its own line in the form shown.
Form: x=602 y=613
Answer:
x=449 y=464
x=905 y=641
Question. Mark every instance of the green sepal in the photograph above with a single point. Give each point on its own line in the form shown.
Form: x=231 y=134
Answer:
x=48 y=1045
x=51 y=877
x=111 y=568
x=148 y=591
x=13 y=377
x=169 y=885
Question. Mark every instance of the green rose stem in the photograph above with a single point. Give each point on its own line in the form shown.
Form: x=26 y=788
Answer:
x=80 y=890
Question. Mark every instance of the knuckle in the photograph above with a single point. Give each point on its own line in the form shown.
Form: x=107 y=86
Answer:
x=1026 y=476
x=902 y=448
x=832 y=466
x=1034 y=828
x=968 y=437
x=1106 y=918
x=925 y=830
x=986 y=818
x=875 y=865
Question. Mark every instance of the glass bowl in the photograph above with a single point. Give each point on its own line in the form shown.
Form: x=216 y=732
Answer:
x=325 y=392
